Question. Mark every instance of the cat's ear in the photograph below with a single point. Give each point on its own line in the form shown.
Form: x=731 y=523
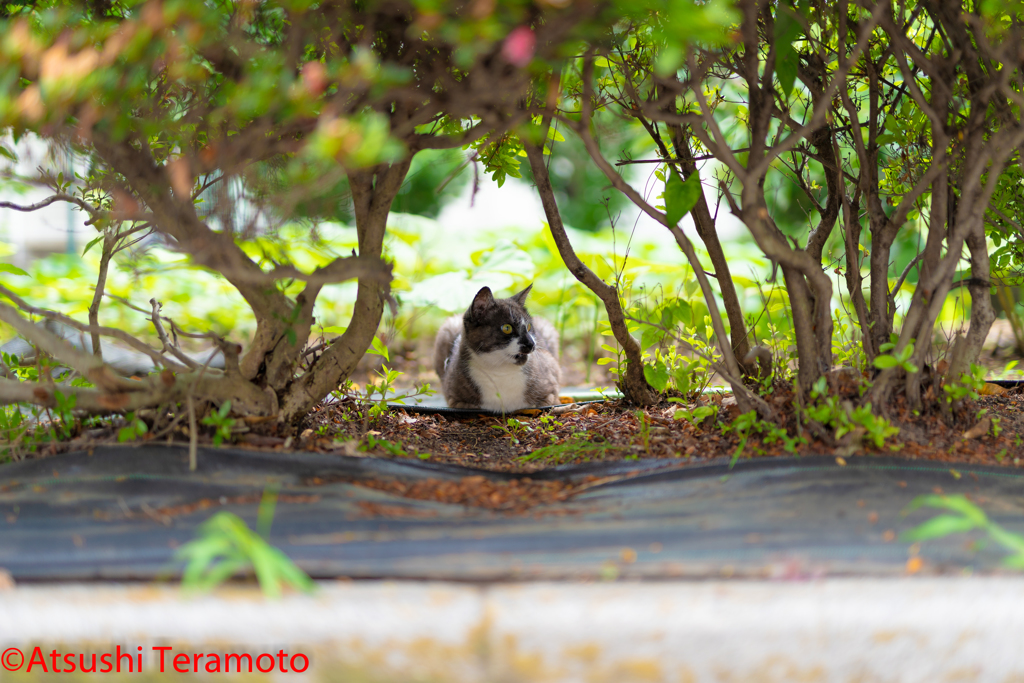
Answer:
x=520 y=298
x=481 y=302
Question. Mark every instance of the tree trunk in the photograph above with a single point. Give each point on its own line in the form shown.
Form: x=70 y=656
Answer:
x=982 y=313
x=373 y=191
x=705 y=225
x=632 y=383
x=109 y=239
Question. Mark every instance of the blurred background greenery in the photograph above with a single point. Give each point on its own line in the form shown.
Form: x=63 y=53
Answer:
x=439 y=265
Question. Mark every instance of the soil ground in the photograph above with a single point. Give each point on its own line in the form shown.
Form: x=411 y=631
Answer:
x=533 y=440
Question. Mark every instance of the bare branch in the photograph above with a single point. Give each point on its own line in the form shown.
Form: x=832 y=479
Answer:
x=71 y=322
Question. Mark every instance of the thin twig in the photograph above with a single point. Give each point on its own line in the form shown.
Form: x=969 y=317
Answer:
x=155 y=318
x=193 y=437
x=82 y=327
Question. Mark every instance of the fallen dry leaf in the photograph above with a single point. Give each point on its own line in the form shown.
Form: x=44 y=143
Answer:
x=990 y=389
x=980 y=429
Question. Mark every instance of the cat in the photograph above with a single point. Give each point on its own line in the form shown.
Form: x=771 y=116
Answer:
x=497 y=357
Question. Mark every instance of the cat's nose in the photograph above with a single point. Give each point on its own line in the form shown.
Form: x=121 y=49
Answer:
x=527 y=344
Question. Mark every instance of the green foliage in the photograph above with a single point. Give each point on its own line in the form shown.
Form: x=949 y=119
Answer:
x=576 y=447
x=513 y=429
x=844 y=417
x=135 y=428
x=681 y=197
x=13 y=427
x=695 y=415
x=226 y=546
x=967 y=517
x=742 y=425
x=385 y=392
x=901 y=359
x=847 y=349
x=671 y=326
x=392 y=448
x=222 y=424
x=748 y=424
x=969 y=385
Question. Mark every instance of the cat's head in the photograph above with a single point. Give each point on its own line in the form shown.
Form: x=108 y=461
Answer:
x=500 y=326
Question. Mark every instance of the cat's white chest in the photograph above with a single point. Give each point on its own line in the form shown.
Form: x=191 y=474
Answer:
x=502 y=383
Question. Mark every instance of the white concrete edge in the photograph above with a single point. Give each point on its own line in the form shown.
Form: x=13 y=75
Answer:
x=913 y=629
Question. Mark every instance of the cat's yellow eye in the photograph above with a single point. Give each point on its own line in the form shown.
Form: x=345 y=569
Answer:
x=506 y=328
x=529 y=327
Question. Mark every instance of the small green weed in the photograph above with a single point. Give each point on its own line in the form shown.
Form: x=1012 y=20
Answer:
x=573 y=448
x=694 y=415
x=674 y=320
x=746 y=425
x=221 y=422
x=377 y=396
x=134 y=428
x=513 y=429
x=741 y=425
x=645 y=430
x=968 y=517
x=901 y=359
x=393 y=448
x=226 y=546
x=969 y=385
x=548 y=425
x=844 y=418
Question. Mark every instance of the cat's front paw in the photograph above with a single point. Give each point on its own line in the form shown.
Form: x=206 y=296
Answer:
x=462 y=405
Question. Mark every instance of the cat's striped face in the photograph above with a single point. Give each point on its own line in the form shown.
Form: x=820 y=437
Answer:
x=500 y=325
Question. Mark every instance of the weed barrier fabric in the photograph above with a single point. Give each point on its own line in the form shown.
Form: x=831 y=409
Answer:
x=436 y=405
x=120 y=512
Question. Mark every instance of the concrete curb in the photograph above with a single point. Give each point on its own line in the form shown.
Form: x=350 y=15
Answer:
x=914 y=629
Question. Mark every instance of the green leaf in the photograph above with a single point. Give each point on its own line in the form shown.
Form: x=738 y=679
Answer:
x=92 y=243
x=335 y=329
x=681 y=197
x=13 y=270
x=657 y=375
x=683 y=376
x=380 y=349
x=885 y=362
x=787 y=61
x=651 y=336
x=940 y=526
x=1007 y=539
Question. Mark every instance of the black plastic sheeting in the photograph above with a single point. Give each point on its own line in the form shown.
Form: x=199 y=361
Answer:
x=79 y=516
x=428 y=405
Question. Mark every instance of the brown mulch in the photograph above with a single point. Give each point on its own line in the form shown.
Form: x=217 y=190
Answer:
x=515 y=496
x=613 y=431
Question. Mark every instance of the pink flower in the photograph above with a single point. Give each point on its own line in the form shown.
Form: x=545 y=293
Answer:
x=519 y=46
x=314 y=77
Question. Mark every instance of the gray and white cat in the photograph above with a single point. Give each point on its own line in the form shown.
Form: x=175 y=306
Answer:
x=496 y=357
